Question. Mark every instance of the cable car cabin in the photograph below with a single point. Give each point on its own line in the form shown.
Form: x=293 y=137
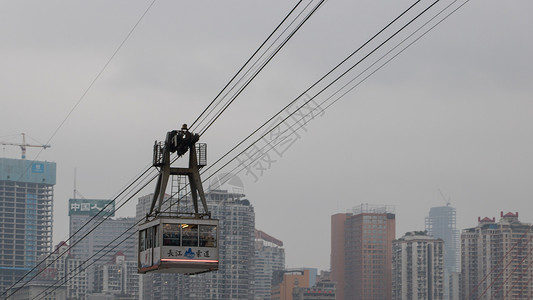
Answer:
x=178 y=245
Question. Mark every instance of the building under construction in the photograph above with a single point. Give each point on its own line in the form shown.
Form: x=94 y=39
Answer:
x=26 y=206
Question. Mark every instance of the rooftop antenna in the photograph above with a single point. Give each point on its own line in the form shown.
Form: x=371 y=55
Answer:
x=76 y=192
x=448 y=201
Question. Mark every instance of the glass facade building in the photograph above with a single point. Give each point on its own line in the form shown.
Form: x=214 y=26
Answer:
x=441 y=223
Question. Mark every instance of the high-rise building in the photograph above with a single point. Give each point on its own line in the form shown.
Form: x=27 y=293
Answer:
x=235 y=276
x=337 y=252
x=417 y=267
x=496 y=259
x=99 y=245
x=269 y=258
x=441 y=223
x=118 y=278
x=26 y=207
x=361 y=252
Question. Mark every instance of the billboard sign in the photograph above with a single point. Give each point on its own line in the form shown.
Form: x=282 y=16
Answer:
x=91 y=207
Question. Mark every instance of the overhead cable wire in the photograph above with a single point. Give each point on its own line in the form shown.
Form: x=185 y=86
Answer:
x=305 y=120
x=246 y=63
x=254 y=68
x=396 y=54
x=353 y=53
x=257 y=64
x=262 y=67
x=323 y=77
x=86 y=91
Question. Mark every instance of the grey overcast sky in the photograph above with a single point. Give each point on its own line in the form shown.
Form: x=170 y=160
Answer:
x=453 y=112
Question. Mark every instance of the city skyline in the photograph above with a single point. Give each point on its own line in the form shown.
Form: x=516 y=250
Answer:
x=398 y=233
x=82 y=209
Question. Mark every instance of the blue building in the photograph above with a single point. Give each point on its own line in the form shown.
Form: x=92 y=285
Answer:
x=26 y=207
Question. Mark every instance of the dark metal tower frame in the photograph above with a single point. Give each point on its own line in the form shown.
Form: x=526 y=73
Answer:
x=180 y=141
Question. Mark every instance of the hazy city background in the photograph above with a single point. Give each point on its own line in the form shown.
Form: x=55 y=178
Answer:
x=452 y=113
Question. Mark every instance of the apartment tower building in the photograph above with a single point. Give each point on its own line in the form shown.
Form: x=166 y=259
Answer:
x=496 y=259
x=417 y=267
x=361 y=252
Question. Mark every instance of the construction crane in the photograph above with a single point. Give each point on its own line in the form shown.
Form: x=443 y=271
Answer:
x=24 y=145
x=447 y=200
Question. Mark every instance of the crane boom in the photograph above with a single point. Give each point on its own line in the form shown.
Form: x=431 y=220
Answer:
x=23 y=145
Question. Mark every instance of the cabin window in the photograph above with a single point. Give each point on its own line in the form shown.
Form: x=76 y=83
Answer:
x=156 y=236
x=190 y=235
x=208 y=236
x=149 y=237
x=171 y=234
x=142 y=240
